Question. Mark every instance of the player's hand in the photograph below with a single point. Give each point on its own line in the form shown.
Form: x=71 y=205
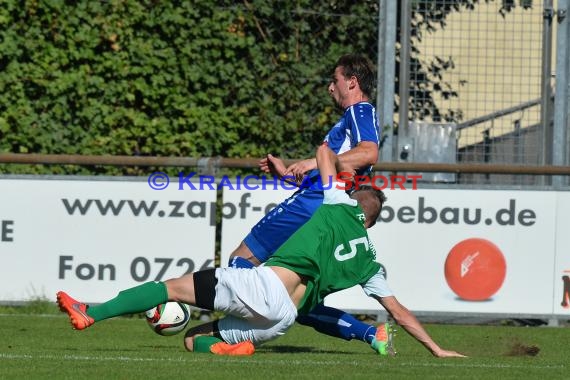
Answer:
x=299 y=169
x=448 y=354
x=272 y=165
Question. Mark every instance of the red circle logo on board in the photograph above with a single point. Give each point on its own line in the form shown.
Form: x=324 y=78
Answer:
x=475 y=269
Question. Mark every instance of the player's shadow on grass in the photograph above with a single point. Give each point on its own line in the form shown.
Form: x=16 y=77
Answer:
x=299 y=350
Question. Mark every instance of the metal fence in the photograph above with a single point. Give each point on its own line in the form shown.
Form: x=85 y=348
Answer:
x=486 y=70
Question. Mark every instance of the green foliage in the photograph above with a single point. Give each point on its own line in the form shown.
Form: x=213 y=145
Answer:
x=199 y=78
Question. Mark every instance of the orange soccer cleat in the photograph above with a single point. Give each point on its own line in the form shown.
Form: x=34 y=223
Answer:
x=76 y=310
x=238 y=349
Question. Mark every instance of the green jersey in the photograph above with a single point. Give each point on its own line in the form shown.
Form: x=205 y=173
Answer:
x=331 y=250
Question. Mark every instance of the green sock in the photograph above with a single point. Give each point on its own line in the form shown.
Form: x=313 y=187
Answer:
x=129 y=301
x=203 y=343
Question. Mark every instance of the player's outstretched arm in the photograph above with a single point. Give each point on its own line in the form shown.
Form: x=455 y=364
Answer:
x=362 y=155
x=410 y=323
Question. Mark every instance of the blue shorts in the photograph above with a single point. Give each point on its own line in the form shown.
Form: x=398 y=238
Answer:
x=281 y=222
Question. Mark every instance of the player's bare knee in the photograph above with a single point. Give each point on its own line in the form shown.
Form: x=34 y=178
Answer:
x=242 y=251
x=178 y=288
x=245 y=253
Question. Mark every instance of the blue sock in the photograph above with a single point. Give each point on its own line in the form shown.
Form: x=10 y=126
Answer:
x=240 y=262
x=337 y=323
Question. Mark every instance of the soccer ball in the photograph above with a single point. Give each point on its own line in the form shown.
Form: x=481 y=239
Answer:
x=168 y=318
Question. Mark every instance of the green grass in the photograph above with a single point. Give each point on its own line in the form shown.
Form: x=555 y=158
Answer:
x=45 y=347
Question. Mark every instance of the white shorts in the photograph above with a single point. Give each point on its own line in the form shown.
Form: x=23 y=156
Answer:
x=256 y=302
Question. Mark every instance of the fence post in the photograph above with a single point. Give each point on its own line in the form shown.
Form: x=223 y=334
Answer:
x=404 y=79
x=546 y=90
x=561 y=101
x=386 y=66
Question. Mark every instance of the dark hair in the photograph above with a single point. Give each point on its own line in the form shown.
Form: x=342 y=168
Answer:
x=371 y=201
x=360 y=67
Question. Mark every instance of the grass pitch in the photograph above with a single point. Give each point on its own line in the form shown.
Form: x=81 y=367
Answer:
x=45 y=347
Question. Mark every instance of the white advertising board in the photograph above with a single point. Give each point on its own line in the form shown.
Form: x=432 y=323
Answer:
x=464 y=251
x=94 y=238
x=504 y=248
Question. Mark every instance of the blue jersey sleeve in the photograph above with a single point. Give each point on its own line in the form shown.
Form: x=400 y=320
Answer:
x=363 y=123
x=358 y=123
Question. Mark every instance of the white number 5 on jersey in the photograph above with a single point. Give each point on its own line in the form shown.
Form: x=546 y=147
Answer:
x=342 y=256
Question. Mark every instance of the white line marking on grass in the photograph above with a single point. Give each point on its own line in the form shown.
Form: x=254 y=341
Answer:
x=453 y=365
x=80 y=357
x=88 y=358
x=261 y=361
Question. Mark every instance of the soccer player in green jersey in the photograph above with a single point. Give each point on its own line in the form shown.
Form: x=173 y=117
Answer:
x=330 y=252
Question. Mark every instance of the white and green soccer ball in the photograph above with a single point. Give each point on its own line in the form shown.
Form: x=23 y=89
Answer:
x=168 y=318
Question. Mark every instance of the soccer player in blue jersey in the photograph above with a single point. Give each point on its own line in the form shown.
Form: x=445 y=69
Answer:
x=355 y=139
